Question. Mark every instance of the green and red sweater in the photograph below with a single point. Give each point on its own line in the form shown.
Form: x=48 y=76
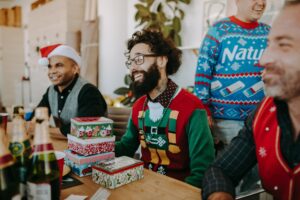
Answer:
x=178 y=144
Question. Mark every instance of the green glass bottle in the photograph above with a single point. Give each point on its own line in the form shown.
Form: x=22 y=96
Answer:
x=43 y=176
x=21 y=150
x=9 y=185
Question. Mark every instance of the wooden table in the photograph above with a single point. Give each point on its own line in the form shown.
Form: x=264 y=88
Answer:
x=152 y=186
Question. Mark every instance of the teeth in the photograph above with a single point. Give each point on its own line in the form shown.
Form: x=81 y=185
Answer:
x=137 y=76
x=53 y=77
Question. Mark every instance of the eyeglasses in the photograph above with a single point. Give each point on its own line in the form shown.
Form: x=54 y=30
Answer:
x=139 y=59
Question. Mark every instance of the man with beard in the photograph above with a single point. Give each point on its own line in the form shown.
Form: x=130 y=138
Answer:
x=70 y=95
x=270 y=136
x=169 y=123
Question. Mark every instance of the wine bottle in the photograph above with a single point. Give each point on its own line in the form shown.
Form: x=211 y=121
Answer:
x=21 y=150
x=9 y=185
x=43 y=176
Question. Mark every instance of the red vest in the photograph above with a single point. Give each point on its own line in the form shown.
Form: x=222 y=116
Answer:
x=176 y=155
x=277 y=177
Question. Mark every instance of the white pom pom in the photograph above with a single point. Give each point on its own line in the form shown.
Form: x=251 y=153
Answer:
x=43 y=62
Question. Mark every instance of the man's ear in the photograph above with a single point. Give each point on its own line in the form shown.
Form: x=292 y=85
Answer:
x=77 y=68
x=162 y=61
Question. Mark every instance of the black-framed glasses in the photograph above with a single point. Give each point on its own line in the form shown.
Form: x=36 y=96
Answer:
x=139 y=59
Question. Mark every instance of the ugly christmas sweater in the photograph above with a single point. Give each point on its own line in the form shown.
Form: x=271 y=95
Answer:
x=175 y=139
x=228 y=75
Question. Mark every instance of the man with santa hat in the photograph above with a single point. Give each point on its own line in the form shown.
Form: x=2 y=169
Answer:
x=70 y=95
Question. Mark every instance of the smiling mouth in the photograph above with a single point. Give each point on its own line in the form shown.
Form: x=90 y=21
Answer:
x=53 y=77
x=137 y=76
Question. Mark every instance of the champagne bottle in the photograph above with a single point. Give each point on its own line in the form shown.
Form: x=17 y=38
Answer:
x=9 y=185
x=21 y=150
x=43 y=176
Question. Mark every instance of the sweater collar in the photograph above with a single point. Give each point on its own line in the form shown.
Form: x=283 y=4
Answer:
x=165 y=97
x=246 y=25
x=69 y=88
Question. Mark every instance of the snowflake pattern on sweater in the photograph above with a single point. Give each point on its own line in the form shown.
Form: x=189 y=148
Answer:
x=228 y=75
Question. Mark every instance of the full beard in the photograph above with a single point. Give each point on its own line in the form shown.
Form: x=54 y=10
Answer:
x=284 y=90
x=149 y=82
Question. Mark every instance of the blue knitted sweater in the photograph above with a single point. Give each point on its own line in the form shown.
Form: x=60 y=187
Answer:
x=228 y=75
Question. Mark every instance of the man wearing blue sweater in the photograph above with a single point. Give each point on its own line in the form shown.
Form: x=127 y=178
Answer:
x=228 y=75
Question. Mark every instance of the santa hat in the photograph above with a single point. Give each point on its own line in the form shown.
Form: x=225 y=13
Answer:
x=58 y=50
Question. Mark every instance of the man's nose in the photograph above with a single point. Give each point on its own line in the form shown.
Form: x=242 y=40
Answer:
x=267 y=58
x=261 y=2
x=51 y=69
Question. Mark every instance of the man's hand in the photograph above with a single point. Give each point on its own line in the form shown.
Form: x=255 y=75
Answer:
x=220 y=196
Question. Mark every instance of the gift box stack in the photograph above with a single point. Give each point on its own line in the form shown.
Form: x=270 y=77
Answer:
x=90 y=142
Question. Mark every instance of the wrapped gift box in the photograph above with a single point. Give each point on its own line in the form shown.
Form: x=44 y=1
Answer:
x=80 y=159
x=91 y=127
x=88 y=147
x=117 y=172
x=80 y=170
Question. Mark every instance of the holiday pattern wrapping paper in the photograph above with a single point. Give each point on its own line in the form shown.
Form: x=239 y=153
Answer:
x=88 y=147
x=80 y=169
x=117 y=172
x=91 y=127
x=80 y=159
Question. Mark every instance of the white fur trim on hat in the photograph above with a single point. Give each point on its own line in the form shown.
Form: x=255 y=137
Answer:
x=66 y=51
x=43 y=61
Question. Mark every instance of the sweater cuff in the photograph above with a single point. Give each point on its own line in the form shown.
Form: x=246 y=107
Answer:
x=216 y=181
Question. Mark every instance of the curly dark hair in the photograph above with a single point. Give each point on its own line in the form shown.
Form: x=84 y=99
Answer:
x=292 y=2
x=158 y=45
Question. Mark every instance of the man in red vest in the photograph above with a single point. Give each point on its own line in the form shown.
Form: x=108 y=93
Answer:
x=168 y=122
x=270 y=136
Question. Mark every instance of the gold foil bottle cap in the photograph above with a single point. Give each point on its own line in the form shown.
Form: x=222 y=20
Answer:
x=41 y=113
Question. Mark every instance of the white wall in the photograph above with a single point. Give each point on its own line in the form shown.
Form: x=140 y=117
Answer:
x=113 y=34
x=116 y=18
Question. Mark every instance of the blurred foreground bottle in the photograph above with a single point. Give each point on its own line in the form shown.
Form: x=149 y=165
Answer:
x=21 y=149
x=43 y=176
x=9 y=185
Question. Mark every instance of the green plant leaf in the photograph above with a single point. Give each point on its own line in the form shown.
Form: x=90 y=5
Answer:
x=177 y=39
x=185 y=1
x=142 y=10
x=150 y=2
x=127 y=79
x=137 y=16
x=181 y=14
x=177 y=24
x=161 y=18
x=121 y=91
x=159 y=8
x=125 y=101
x=166 y=30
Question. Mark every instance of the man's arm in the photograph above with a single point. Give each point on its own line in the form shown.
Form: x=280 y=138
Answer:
x=201 y=147
x=90 y=102
x=129 y=142
x=45 y=102
x=207 y=60
x=237 y=160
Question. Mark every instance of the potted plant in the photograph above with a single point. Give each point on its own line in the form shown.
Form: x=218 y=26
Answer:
x=162 y=15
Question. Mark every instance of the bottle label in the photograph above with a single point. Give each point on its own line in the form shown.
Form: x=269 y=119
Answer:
x=39 y=191
x=23 y=190
x=18 y=148
x=16 y=197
